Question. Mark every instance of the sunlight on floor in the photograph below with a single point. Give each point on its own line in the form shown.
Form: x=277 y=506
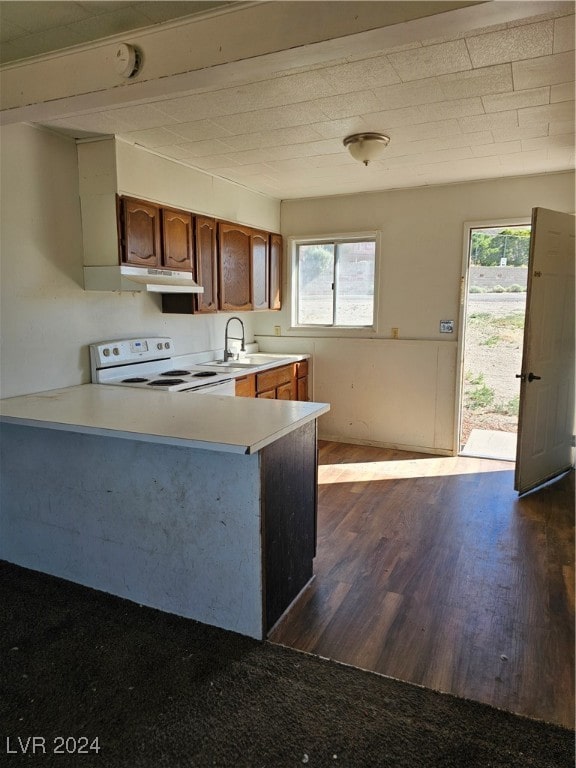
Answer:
x=406 y=468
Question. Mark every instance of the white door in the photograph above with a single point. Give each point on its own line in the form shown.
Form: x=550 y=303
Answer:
x=546 y=417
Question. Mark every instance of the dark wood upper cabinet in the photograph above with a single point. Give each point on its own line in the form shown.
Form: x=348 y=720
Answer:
x=177 y=240
x=239 y=267
x=260 y=270
x=206 y=260
x=275 y=271
x=140 y=233
x=234 y=266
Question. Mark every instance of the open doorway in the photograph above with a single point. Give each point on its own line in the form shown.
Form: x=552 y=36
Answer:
x=493 y=331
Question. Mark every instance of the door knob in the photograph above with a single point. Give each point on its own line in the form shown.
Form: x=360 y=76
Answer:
x=530 y=377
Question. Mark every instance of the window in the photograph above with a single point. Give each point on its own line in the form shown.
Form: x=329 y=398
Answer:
x=335 y=282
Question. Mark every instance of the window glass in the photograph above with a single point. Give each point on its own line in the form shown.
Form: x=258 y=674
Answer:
x=335 y=283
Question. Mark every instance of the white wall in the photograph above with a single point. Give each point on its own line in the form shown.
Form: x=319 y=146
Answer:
x=402 y=392
x=46 y=318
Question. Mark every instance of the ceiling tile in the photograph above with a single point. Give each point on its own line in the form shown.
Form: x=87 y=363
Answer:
x=207 y=148
x=151 y=137
x=39 y=42
x=140 y=117
x=516 y=133
x=512 y=44
x=410 y=94
x=436 y=129
x=36 y=16
x=102 y=122
x=361 y=102
x=439 y=143
x=164 y=10
x=490 y=122
x=275 y=138
x=392 y=118
x=360 y=75
x=421 y=63
x=506 y=101
x=546 y=70
x=564 y=34
x=563 y=110
x=560 y=126
x=455 y=108
x=426 y=158
x=562 y=92
x=331 y=129
x=548 y=142
x=294 y=114
x=497 y=148
x=111 y=23
x=10 y=31
x=198 y=130
x=476 y=82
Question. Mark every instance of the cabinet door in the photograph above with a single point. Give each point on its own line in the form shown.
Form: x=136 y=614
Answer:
x=285 y=392
x=268 y=395
x=303 y=389
x=206 y=264
x=177 y=240
x=260 y=272
x=141 y=229
x=234 y=258
x=246 y=386
x=275 y=271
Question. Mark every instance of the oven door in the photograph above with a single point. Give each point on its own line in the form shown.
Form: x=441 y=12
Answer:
x=227 y=387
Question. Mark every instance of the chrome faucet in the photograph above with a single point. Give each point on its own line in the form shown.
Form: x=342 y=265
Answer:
x=227 y=354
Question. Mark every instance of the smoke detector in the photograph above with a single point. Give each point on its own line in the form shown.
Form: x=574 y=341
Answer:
x=127 y=60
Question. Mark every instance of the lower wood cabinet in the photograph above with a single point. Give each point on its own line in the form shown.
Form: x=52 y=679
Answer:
x=285 y=382
x=246 y=386
x=276 y=383
x=301 y=374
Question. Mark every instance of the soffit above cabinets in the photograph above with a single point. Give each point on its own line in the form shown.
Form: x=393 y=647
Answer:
x=484 y=100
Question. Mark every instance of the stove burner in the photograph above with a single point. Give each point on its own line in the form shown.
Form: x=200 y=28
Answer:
x=175 y=373
x=135 y=380
x=165 y=382
x=203 y=374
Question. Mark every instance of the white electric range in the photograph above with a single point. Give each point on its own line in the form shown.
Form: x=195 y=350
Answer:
x=147 y=363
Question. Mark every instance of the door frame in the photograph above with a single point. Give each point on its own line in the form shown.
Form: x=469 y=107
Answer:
x=512 y=221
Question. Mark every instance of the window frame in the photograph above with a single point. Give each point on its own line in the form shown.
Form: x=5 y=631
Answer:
x=333 y=238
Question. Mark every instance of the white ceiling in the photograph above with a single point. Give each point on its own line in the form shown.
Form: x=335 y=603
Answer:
x=488 y=103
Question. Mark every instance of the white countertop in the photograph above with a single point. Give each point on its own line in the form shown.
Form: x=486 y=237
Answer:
x=211 y=422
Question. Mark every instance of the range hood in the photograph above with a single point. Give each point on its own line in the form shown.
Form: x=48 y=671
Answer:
x=129 y=278
x=161 y=280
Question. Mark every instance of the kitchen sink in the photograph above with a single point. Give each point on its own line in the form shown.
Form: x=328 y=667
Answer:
x=250 y=361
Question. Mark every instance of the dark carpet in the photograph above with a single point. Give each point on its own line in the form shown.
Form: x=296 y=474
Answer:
x=157 y=690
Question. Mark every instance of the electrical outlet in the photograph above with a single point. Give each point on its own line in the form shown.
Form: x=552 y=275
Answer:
x=277 y=330
x=394 y=333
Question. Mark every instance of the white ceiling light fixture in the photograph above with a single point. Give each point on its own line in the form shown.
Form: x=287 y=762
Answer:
x=366 y=146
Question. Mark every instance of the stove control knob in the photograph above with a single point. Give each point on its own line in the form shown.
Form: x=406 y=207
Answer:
x=106 y=352
x=116 y=351
x=159 y=345
x=166 y=345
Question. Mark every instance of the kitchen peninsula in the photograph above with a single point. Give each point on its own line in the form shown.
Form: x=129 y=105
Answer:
x=199 y=505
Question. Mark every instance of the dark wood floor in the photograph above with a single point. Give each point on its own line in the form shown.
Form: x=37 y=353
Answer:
x=432 y=570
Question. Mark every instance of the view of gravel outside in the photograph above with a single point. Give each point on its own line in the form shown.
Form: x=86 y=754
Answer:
x=349 y=267
x=493 y=356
